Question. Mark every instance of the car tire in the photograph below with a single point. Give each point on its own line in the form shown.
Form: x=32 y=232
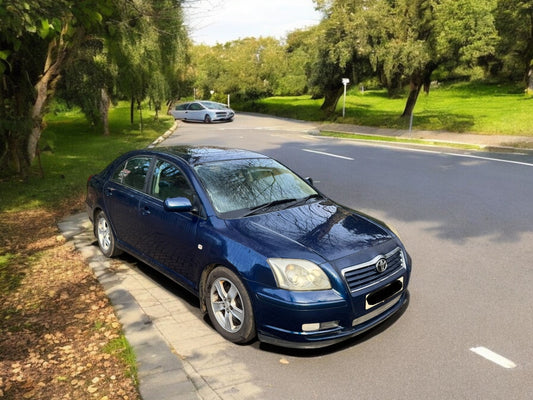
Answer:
x=106 y=237
x=229 y=306
x=207 y=119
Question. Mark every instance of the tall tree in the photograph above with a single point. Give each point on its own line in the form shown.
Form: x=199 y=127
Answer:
x=514 y=20
x=88 y=80
x=247 y=68
x=299 y=46
x=406 y=40
x=148 y=44
x=342 y=49
x=143 y=39
x=36 y=40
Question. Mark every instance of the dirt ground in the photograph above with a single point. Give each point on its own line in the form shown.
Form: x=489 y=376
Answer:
x=59 y=336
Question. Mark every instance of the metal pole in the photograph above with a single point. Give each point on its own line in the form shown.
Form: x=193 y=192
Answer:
x=344 y=102
x=345 y=81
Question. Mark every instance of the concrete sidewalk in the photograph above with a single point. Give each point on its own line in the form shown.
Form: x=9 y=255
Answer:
x=490 y=143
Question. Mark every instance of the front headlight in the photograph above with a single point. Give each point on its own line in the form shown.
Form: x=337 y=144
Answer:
x=299 y=275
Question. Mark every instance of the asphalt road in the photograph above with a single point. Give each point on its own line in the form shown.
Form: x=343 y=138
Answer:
x=467 y=221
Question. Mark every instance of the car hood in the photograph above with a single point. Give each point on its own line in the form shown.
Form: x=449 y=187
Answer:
x=324 y=228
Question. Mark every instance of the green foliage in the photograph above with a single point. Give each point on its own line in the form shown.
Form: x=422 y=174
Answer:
x=298 y=107
x=150 y=50
x=460 y=107
x=514 y=20
x=137 y=48
x=121 y=348
x=73 y=150
x=85 y=78
x=248 y=69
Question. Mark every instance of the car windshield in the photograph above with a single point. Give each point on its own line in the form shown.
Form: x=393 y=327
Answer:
x=238 y=186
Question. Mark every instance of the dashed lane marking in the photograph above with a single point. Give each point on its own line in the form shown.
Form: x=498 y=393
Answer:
x=328 y=154
x=494 y=357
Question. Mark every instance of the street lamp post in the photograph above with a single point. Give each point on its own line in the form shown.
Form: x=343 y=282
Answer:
x=345 y=82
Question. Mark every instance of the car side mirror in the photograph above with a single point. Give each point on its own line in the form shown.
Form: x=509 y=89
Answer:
x=178 y=204
x=309 y=180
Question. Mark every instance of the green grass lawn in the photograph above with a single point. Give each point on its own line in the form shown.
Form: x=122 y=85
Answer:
x=460 y=107
x=73 y=150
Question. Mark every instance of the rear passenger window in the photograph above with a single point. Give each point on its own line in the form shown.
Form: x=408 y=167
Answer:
x=133 y=172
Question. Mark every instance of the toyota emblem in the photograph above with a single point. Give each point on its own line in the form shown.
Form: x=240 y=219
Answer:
x=381 y=265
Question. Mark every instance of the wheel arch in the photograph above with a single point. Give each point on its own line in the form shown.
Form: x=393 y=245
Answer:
x=95 y=212
x=202 y=285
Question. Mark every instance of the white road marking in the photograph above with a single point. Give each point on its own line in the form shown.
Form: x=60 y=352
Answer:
x=373 y=143
x=494 y=357
x=491 y=159
x=328 y=154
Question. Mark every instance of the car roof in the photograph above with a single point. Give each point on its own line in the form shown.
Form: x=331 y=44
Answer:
x=194 y=155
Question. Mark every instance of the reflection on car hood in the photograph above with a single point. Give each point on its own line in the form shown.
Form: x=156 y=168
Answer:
x=324 y=228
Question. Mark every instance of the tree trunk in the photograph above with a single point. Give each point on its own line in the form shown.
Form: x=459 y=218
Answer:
x=331 y=98
x=37 y=111
x=414 y=91
x=44 y=89
x=419 y=80
x=139 y=107
x=132 y=110
x=15 y=155
x=104 y=110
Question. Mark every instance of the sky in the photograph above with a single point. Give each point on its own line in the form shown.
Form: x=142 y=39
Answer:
x=221 y=21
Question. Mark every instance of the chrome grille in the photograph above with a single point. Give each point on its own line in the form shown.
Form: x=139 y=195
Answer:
x=363 y=275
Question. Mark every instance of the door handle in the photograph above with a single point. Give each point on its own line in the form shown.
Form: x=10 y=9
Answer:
x=146 y=210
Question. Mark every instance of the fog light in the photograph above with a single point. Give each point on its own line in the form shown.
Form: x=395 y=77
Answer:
x=310 y=327
x=317 y=326
x=329 y=325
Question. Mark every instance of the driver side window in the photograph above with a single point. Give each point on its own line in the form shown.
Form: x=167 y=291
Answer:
x=195 y=107
x=168 y=181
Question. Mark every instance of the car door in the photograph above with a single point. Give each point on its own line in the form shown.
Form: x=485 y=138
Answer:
x=122 y=194
x=196 y=112
x=170 y=238
x=180 y=111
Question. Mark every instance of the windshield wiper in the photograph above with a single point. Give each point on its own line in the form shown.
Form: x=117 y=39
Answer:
x=262 y=207
x=306 y=199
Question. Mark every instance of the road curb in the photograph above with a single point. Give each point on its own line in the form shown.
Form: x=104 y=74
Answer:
x=398 y=139
x=165 y=135
x=162 y=374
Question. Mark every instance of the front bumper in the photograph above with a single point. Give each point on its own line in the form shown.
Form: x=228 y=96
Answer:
x=223 y=116
x=327 y=337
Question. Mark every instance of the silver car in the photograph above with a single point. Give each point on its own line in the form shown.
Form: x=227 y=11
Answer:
x=206 y=111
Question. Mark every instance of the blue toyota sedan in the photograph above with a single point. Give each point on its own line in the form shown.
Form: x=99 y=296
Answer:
x=268 y=255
